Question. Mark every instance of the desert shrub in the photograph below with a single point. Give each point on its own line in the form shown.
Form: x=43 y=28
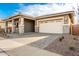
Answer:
x=61 y=38
x=75 y=38
x=72 y=48
x=2 y=33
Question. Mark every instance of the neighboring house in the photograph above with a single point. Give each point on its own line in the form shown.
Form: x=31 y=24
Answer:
x=53 y=23
x=2 y=24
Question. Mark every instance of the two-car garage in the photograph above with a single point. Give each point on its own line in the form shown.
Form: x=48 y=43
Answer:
x=52 y=26
x=58 y=23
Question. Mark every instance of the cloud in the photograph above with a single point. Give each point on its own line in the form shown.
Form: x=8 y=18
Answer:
x=50 y=8
x=38 y=9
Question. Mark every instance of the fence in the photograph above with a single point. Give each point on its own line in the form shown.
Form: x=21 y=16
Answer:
x=75 y=29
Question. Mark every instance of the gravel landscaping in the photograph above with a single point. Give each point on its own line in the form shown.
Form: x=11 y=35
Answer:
x=67 y=45
x=42 y=43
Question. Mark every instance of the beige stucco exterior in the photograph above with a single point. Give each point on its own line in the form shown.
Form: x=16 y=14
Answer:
x=32 y=24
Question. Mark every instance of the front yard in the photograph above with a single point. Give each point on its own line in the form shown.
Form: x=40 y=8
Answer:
x=68 y=45
x=44 y=44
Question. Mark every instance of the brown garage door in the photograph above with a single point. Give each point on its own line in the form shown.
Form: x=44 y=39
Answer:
x=76 y=29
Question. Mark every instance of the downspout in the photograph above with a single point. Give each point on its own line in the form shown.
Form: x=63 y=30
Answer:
x=71 y=28
x=71 y=24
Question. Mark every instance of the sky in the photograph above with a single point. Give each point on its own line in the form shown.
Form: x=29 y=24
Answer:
x=33 y=9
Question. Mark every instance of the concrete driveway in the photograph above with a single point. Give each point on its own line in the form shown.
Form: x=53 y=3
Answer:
x=27 y=44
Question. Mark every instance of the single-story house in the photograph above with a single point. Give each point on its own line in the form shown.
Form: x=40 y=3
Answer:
x=53 y=23
x=2 y=24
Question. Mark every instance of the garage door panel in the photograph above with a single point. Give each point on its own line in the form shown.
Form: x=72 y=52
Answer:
x=51 y=27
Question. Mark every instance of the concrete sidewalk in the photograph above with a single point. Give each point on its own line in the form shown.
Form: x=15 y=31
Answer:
x=30 y=51
x=14 y=48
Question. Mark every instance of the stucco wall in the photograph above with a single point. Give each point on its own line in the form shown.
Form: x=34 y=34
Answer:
x=21 y=25
x=66 y=28
x=2 y=25
x=9 y=24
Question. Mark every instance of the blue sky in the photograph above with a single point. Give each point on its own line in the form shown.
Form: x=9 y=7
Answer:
x=32 y=9
x=7 y=9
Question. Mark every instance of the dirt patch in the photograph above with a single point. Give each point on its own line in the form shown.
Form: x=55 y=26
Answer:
x=69 y=46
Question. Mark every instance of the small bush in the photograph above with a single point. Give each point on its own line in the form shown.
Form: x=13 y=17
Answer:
x=75 y=38
x=71 y=48
x=61 y=38
x=2 y=33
